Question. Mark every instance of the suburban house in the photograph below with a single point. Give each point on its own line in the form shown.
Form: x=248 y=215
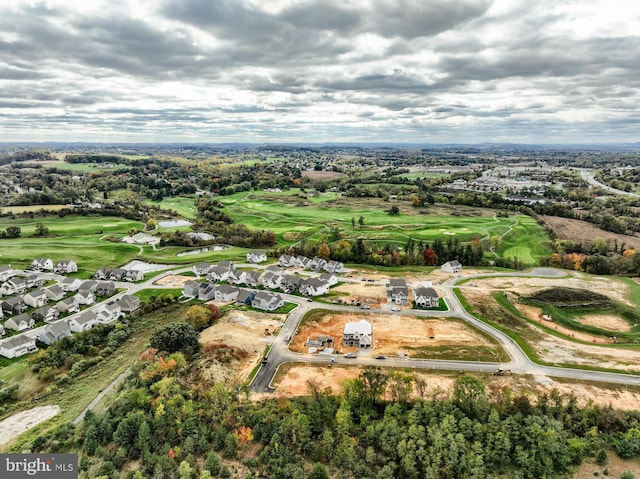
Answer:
x=226 y=292
x=13 y=286
x=68 y=305
x=317 y=264
x=332 y=279
x=46 y=314
x=221 y=271
x=453 y=266
x=42 y=264
x=54 y=332
x=103 y=273
x=272 y=280
x=65 y=266
x=89 y=285
x=286 y=260
x=290 y=283
x=85 y=296
x=191 y=288
x=33 y=280
x=314 y=287
x=17 y=346
x=20 y=322
x=117 y=274
x=267 y=301
x=83 y=322
x=129 y=303
x=256 y=256
x=133 y=275
x=105 y=288
x=206 y=291
x=252 y=278
x=237 y=276
x=36 y=298
x=54 y=292
x=358 y=334
x=397 y=292
x=201 y=269
x=303 y=262
x=109 y=312
x=334 y=267
x=245 y=296
x=70 y=284
x=13 y=305
x=6 y=272
x=426 y=297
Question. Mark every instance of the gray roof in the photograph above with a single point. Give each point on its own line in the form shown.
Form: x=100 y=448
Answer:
x=426 y=291
x=361 y=327
x=17 y=341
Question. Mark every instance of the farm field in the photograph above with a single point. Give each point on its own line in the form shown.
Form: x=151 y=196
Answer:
x=79 y=167
x=16 y=210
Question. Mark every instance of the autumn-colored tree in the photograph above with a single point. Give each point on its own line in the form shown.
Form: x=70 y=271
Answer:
x=415 y=201
x=324 y=252
x=430 y=256
x=199 y=317
x=214 y=313
x=555 y=260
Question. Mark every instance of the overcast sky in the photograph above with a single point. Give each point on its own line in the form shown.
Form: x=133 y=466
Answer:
x=416 y=71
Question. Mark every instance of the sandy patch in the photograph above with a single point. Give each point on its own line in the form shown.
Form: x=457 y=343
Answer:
x=296 y=383
x=364 y=292
x=13 y=426
x=605 y=321
x=174 y=280
x=392 y=334
x=249 y=331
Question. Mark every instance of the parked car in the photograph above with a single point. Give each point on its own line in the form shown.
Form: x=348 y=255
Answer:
x=365 y=306
x=395 y=308
x=381 y=356
x=351 y=355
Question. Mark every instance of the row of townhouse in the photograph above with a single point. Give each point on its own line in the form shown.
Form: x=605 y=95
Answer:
x=108 y=312
x=315 y=264
x=119 y=274
x=87 y=292
x=207 y=291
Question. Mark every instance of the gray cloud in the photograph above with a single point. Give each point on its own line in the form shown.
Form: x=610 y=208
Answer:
x=319 y=70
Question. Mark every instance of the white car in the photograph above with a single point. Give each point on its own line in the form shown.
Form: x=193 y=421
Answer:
x=395 y=308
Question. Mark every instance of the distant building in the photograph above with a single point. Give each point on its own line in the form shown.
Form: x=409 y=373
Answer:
x=453 y=266
x=358 y=334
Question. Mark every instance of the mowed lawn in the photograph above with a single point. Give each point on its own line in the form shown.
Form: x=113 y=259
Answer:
x=74 y=237
x=293 y=218
x=183 y=205
x=527 y=241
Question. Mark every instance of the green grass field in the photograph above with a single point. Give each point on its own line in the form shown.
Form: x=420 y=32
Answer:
x=73 y=237
x=183 y=205
x=526 y=240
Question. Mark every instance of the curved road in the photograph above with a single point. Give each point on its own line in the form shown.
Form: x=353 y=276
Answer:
x=588 y=177
x=519 y=363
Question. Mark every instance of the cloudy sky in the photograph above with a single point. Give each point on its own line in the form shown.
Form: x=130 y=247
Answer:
x=404 y=71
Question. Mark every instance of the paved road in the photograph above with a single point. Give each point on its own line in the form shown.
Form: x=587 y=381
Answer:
x=518 y=364
x=102 y=394
x=588 y=177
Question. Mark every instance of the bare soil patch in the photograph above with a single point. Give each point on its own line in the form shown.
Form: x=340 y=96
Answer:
x=582 y=232
x=392 y=334
x=364 y=292
x=247 y=331
x=174 y=280
x=15 y=425
x=605 y=321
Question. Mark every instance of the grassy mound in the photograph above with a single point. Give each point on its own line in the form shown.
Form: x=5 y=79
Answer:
x=571 y=298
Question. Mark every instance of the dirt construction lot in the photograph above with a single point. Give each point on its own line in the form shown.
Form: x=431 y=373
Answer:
x=249 y=331
x=391 y=333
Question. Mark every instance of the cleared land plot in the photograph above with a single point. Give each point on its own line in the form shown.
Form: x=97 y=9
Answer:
x=315 y=176
x=549 y=347
x=16 y=210
x=584 y=233
x=402 y=335
x=242 y=330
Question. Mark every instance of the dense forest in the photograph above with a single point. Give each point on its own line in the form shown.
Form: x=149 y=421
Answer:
x=164 y=425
